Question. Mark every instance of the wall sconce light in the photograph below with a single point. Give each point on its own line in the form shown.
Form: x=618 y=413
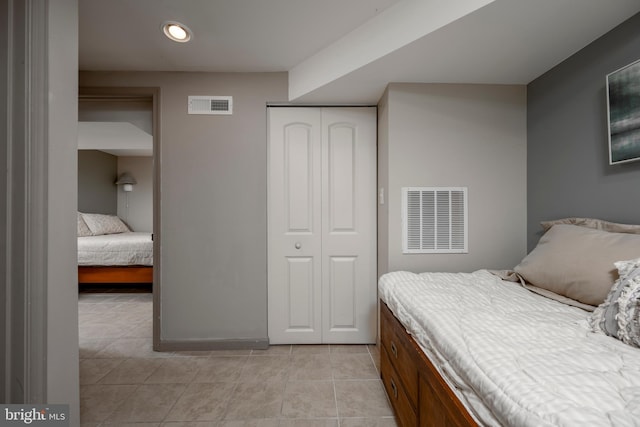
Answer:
x=127 y=181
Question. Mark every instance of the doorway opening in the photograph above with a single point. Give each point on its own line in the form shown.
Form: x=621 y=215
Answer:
x=119 y=195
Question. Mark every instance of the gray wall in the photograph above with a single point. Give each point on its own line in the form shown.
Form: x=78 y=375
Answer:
x=62 y=293
x=214 y=202
x=136 y=207
x=567 y=160
x=97 y=172
x=4 y=182
x=462 y=136
x=383 y=183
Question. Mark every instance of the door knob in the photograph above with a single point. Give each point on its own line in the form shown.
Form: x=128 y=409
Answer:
x=298 y=245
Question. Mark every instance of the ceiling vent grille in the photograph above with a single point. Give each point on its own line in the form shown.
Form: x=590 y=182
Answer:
x=434 y=220
x=210 y=105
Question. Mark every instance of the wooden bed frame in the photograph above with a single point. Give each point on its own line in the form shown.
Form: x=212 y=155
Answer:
x=132 y=274
x=418 y=394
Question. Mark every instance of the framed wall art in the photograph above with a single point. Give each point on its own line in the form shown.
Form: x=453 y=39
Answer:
x=623 y=102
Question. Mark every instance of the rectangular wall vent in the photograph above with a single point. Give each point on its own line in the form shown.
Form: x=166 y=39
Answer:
x=434 y=220
x=210 y=105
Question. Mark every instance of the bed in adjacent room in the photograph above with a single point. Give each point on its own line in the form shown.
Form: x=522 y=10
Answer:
x=555 y=344
x=109 y=252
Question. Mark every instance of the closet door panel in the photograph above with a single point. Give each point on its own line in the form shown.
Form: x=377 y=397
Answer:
x=349 y=225
x=341 y=157
x=294 y=239
x=342 y=294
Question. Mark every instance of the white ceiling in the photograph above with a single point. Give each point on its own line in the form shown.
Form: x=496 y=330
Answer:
x=229 y=35
x=116 y=138
x=347 y=51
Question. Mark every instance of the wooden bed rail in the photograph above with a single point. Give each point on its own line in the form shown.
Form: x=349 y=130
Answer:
x=133 y=274
x=418 y=394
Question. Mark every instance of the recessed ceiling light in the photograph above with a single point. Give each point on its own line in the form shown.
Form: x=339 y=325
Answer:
x=177 y=32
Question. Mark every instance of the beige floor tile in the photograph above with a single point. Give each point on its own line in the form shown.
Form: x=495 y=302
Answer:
x=144 y=297
x=326 y=422
x=89 y=348
x=120 y=424
x=282 y=386
x=98 y=401
x=100 y=330
x=362 y=398
x=368 y=422
x=307 y=367
x=191 y=424
x=192 y=353
x=131 y=371
x=202 y=402
x=348 y=348
x=265 y=369
x=117 y=319
x=310 y=349
x=142 y=329
x=220 y=369
x=255 y=400
x=174 y=371
x=264 y=422
x=149 y=403
x=309 y=399
x=92 y=370
x=133 y=307
x=129 y=348
x=89 y=299
x=241 y=352
x=353 y=366
x=273 y=349
x=374 y=350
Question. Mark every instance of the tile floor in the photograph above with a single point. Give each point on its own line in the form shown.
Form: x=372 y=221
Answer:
x=124 y=382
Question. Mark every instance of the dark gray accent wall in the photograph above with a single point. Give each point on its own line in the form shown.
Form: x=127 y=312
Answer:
x=568 y=171
x=97 y=172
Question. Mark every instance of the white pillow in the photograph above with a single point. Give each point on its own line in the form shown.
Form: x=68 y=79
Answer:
x=104 y=224
x=83 y=230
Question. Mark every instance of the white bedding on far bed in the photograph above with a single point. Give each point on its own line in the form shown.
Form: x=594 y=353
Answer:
x=516 y=358
x=122 y=249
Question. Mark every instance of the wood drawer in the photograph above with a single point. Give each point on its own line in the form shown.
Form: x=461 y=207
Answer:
x=439 y=405
x=402 y=355
x=405 y=412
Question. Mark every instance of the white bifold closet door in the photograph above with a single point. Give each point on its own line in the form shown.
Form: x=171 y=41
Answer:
x=322 y=225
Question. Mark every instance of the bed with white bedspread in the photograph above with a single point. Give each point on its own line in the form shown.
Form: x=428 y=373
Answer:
x=122 y=249
x=516 y=358
x=526 y=352
x=109 y=252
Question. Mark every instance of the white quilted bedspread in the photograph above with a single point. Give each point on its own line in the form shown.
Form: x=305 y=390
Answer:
x=132 y=248
x=527 y=360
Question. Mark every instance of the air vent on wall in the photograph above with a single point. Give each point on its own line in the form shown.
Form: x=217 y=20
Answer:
x=210 y=105
x=434 y=220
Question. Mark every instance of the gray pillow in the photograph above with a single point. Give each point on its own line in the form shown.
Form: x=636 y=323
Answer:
x=629 y=309
x=597 y=224
x=618 y=315
x=578 y=262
